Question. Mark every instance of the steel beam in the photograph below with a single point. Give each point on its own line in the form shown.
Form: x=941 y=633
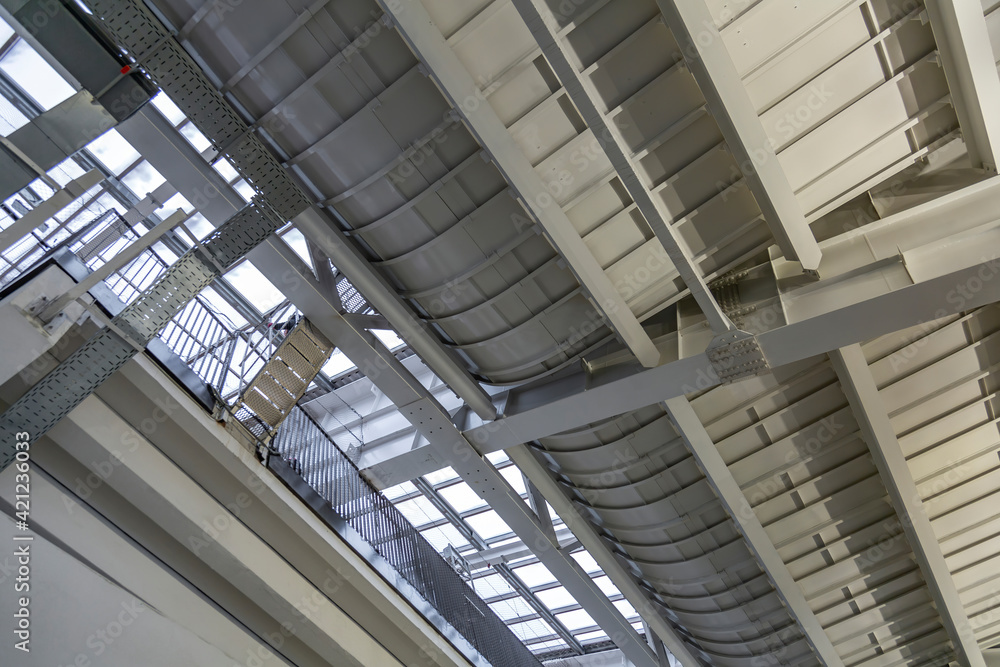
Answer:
x=873 y=419
x=728 y=490
x=492 y=556
x=420 y=408
x=111 y=266
x=842 y=313
x=320 y=230
x=171 y=155
x=587 y=534
x=57 y=202
x=710 y=63
x=182 y=166
x=463 y=527
x=426 y=41
x=542 y=25
x=963 y=43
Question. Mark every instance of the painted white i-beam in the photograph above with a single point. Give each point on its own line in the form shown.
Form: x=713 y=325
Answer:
x=717 y=473
x=896 y=273
x=963 y=43
x=455 y=82
x=542 y=25
x=417 y=405
x=173 y=157
x=122 y=258
x=709 y=60
x=48 y=208
x=862 y=393
x=585 y=532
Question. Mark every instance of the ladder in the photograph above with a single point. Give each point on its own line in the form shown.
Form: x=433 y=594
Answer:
x=282 y=381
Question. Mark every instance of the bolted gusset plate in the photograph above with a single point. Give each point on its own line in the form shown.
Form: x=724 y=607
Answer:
x=735 y=355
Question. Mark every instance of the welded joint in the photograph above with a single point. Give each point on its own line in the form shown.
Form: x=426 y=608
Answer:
x=736 y=355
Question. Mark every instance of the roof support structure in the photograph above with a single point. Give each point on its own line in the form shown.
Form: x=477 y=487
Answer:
x=463 y=527
x=458 y=86
x=717 y=473
x=199 y=183
x=706 y=55
x=876 y=296
x=57 y=202
x=542 y=25
x=434 y=423
x=181 y=165
x=586 y=533
x=963 y=43
x=514 y=551
x=869 y=410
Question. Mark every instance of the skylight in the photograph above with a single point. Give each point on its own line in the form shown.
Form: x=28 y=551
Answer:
x=35 y=76
x=252 y=284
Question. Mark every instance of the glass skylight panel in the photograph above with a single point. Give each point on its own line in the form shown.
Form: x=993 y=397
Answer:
x=113 y=151
x=576 y=619
x=586 y=561
x=514 y=477
x=65 y=171
x=443 y=536
x=172 y=205
x=10 y=118
x=606 y=586
x=461 y=497
x=5 y=31
x=491 y=586
x=297 y=242
x=496 y=458
x=510 y=540
x=42 y=189
x=419 y=511
x=226 y=170
x=547 y=646
x=244 y=190
x=512 y=608
x=626 y=608
x=252 y=284
x=592 y=637
x=35 y=76
x=199 y=226
x=165 y=253
x=488 y=524
x=143 y=179
x=337 y=364
x=531 y=630
x=166 y=106
x=194 y=137
x=534 y=575
x=555 y=598
x=388 y=338
x=440 y=476
x=400 y=490
x=222 y=307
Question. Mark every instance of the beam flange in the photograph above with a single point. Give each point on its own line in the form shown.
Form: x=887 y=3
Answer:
x=585 y=532
x=873 y=419
x=712 y=66
x=720 y=478
x=542 y=25
x=453 y=79
x=963 y=42
x=48 y=208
